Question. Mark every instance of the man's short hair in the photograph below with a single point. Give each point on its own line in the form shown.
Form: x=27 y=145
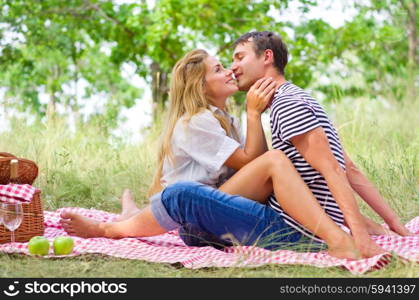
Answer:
x=263 y=40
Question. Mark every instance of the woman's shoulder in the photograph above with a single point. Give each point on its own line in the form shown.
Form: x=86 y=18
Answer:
x=203 y=121
x=203 y=118
x=204 y=114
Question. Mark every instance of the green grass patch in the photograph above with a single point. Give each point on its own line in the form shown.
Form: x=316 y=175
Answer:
x=90 y=169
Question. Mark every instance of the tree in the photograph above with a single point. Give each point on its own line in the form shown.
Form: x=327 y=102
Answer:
x=56 y=53
x=385 y=49
x=151 y=37
x=61 y=45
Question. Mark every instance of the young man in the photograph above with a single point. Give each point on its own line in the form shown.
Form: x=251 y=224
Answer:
x=302 y=130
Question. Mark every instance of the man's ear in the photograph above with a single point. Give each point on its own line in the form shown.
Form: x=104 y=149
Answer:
x=269 y=56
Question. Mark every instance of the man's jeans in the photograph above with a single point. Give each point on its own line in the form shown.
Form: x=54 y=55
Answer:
x=206 y=216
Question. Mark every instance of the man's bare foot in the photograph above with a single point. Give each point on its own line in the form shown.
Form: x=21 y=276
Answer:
x=368 y=247
x=75 y=224
x=129 y=208
x=344 y=248
x=374 y=228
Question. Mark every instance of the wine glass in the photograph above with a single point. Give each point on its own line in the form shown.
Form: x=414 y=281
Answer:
x=12 y=216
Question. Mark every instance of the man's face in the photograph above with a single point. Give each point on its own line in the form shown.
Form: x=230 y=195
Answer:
x=247 y=67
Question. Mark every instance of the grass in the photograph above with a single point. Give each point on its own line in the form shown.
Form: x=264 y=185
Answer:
x=89 y=169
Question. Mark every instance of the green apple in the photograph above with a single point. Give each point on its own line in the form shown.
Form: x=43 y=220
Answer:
x=38 y=245
x=63 y=245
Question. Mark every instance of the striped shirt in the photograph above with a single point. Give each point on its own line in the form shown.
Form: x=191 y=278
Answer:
x=294 y=112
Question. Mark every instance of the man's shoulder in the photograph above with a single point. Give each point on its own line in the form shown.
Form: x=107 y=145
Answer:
x=285 y=96
x=289 y=94
x=292 y=91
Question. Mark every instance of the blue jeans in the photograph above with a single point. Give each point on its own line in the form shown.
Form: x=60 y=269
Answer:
x=206 y=216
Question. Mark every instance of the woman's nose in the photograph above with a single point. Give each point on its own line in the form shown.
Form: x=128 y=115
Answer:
x=229 y=72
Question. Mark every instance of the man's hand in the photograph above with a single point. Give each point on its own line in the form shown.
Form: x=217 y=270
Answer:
x=396 y=228
x=400 y=229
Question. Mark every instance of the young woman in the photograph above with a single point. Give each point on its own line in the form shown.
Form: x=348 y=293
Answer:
x=202 y=143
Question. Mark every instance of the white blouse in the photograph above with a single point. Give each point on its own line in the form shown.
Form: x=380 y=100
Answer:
x=200 y=148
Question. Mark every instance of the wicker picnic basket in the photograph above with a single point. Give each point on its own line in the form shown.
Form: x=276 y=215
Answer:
x=22 y=171
x=25 y=171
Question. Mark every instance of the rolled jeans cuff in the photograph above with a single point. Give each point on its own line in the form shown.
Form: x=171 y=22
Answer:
x=160 y=213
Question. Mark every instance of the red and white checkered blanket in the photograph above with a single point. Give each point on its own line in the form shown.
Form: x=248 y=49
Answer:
x=169 y=248
x=16 y=193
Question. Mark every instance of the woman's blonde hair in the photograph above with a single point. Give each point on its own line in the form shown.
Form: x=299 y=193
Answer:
x=186 y=98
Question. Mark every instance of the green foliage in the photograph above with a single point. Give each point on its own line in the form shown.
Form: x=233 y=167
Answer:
x=57 y=52
x=63 y=43
x=375 y=46
x=58 y=45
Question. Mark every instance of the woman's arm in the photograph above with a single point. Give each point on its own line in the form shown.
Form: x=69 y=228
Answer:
x=258 y=97
x=367 y=191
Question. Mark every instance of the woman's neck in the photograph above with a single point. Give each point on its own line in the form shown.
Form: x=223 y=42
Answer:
x=221 y=104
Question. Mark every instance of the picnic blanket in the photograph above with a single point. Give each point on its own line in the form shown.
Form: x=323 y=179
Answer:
x=16 y=193
x=169 y=248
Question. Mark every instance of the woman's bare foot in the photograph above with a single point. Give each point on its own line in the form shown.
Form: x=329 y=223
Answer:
x=344 y=248
x=77 y=225
x=129 y=208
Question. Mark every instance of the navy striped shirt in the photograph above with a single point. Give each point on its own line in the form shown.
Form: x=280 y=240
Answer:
x=294 y=112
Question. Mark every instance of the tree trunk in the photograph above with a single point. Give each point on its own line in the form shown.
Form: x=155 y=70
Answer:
x=51 y=89
x=75 y=105
x=160 y=89
x=51 y=107
x=412 y=50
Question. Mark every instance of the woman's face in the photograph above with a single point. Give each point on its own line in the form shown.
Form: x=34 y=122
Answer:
x=219 y=82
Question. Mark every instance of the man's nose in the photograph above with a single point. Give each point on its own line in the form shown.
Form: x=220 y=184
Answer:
x=233 y=67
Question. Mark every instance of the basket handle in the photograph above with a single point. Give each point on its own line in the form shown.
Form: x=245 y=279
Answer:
x=14 y=171
x=6 y=154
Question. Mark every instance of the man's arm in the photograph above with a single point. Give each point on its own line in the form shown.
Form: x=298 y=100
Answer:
x=367 y=191
x=314 y=147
